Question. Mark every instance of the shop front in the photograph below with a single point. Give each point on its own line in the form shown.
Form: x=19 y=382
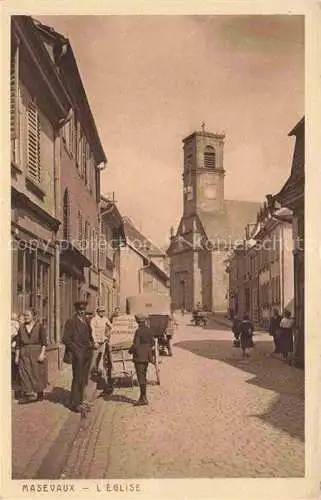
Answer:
x=33 y=268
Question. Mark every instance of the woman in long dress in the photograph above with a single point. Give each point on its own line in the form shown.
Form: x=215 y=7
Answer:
x=285 y=334
x=30 y=358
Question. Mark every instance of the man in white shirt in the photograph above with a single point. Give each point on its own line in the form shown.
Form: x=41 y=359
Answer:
x=101 y=328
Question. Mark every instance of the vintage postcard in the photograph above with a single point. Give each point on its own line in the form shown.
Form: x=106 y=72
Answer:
x=161 y=249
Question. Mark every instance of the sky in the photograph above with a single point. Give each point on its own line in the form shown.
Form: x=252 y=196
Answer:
x=152 y=80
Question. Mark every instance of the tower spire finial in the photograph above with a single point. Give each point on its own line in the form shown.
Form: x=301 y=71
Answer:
x=203 y=127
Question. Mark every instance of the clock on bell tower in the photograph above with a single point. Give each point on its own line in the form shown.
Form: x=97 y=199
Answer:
x=203 y=176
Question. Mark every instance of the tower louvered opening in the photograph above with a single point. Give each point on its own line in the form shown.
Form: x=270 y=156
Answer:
x=209 y=157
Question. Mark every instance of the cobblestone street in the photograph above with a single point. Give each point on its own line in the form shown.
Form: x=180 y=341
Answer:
x=214 y=415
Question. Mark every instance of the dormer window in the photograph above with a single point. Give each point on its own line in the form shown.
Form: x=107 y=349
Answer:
x=209 y=157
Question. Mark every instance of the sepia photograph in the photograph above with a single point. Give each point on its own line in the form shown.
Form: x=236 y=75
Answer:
x=157 y=249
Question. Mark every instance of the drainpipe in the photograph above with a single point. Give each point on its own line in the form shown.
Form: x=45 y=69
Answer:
x=57 y=197
x=100 y=223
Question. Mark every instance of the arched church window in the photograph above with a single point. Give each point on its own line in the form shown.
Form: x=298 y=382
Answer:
x=66 y=215
x=209 y=157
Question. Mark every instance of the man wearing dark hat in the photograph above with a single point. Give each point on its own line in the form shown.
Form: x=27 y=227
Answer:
x=142 y=351
x=78 y=340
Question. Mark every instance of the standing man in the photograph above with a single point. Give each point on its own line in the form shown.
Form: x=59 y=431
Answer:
x=274 y=328
x=101 y=329
x=78 y=340
x=142 y=351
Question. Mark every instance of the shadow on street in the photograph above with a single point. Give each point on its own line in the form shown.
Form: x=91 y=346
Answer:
x=120 y=398
x=59 y=395
x=268 y=373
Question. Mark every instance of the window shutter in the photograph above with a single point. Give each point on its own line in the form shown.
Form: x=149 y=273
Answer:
x=33 y=142
x=14 y=82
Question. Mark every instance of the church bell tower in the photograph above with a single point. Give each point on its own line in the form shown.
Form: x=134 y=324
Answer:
x=203 y=176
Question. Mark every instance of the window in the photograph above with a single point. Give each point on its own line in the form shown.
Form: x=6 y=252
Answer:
x=33 y=142
x=95 y=248
x=14 y=104
x=87 y=241
x=89 y=172
x=209 y=157
x=94 y=179
x=66 y=215
x=78 y=145
x=86 y=160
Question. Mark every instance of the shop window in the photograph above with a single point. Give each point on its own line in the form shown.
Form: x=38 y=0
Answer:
x=29 y=279
x=33 y=284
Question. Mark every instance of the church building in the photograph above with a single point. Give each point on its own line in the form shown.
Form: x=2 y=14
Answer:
x=210 y=227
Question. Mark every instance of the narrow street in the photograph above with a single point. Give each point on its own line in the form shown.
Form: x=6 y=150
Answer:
x=214 y=415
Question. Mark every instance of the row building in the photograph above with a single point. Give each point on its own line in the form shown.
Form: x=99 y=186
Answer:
x=67 y=239
x=266 y=270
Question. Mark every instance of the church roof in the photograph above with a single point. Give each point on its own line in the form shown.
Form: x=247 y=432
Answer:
x=230 y=224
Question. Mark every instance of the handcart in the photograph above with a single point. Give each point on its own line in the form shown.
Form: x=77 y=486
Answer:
x=157 y=308
x=121 y=339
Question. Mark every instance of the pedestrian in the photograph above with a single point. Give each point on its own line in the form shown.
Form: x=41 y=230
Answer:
x=274 y=327
x=30 y=357
x=115 y=314
x=246 y=334
x=101 y=330
x=285 y=334
x=78 y=340
x=142 y=351
x=14 y=332
x=236 y=331
x=14 y=328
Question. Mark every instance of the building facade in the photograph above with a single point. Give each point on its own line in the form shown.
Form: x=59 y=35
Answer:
x=39 y=104
x=112 y=237
x=56 y=159
x=209 y=228
x=81 y=161
x=271 y=259
x=139 y=272
x=261 y=270
x=288 y=205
